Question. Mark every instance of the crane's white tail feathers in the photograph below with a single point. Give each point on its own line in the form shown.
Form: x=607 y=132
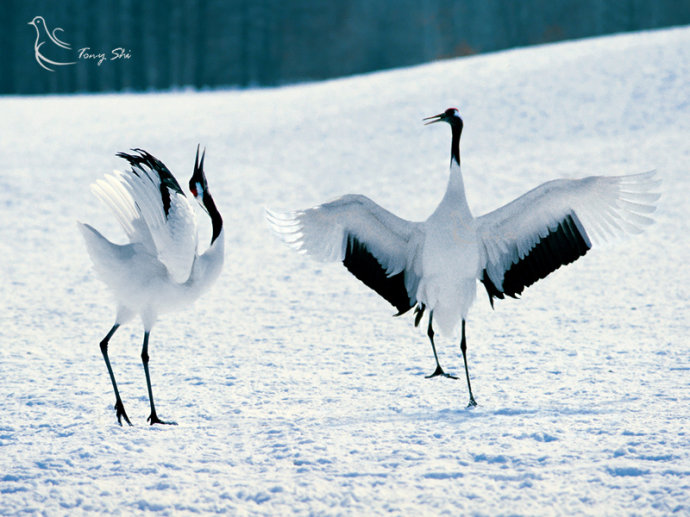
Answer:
x=92 y=237
x=104 y=254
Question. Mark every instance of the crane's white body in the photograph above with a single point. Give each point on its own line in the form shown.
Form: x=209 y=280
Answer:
x=159 y=270
x=450 y=257
x=141 y=283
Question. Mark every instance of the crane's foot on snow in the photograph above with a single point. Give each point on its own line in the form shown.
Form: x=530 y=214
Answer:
x=120 y=410
x=472 y=404
x=153 y=418
x=439 y=371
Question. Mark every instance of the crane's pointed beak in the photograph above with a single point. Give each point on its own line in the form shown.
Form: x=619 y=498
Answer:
x=435 y=118
x=199 y=165
x=197 y=183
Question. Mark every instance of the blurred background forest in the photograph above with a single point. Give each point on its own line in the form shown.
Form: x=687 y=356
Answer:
x=242 y=43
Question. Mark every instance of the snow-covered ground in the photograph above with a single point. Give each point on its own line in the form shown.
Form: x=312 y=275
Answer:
x=294 y=388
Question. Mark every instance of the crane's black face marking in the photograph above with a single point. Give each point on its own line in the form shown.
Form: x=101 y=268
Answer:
x=361 y=263
x=167 y=180
x=563 y=245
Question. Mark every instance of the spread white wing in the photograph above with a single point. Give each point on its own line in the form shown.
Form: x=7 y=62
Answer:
x=555 y=224
x=379 y=248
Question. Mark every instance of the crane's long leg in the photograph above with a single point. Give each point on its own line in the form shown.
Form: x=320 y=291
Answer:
x=463 y=347
x=153 y=417
x=439 y=370
x=119 y=406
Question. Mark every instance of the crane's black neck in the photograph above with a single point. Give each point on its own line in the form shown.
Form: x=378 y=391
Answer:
x=216 y=219
x=456 y=128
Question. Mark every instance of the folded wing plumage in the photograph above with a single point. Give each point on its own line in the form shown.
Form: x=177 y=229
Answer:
x=150 y=206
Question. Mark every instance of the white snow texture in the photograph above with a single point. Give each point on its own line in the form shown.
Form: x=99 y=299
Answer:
x=294 y=388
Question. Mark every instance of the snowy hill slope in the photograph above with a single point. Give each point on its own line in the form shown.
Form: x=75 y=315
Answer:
x=294 y=389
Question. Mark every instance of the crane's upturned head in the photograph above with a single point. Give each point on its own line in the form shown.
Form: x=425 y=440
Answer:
x=199 y=189
x=197 y=183
x=451 y=115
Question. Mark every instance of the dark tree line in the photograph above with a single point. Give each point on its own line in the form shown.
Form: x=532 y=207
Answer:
x=213 y=43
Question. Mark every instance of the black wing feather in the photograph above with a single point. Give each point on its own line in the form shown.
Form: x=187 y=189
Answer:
x=168 y=181
x=361 y=263
x=563 y=245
